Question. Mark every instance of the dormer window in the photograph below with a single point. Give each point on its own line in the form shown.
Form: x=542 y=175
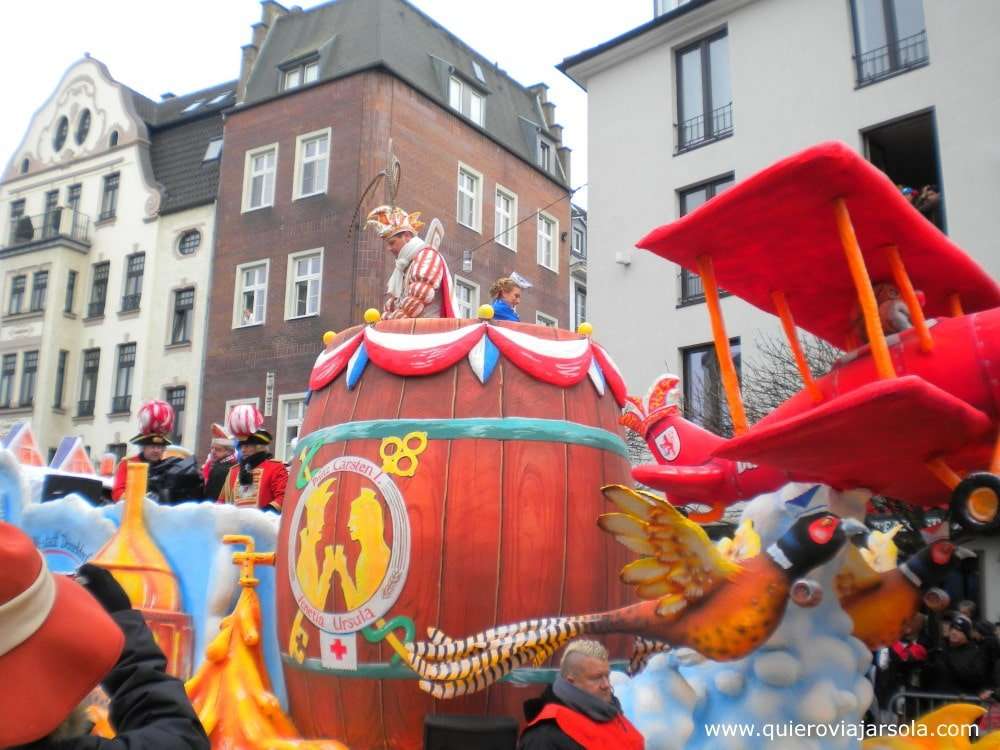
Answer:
x=300 y=75
x=464 y=99
x=478 y=69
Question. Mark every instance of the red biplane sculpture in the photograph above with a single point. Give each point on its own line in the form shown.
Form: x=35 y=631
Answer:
x=911 y=410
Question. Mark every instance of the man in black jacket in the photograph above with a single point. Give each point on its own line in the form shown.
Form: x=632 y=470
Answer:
x=959 y=666
x=59 y=638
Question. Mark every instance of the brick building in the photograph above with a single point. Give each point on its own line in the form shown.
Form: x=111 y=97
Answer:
x=321 y=95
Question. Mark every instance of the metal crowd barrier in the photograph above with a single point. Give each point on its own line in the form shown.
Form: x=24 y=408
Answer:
x=912 y=704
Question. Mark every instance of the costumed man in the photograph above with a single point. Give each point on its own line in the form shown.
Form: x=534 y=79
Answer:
x=221 y=458
x=259 y=479
x=174 y=479
x=579 y=710
x=420 y=285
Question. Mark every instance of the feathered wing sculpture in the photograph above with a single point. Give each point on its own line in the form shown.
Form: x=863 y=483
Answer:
x=681 y=578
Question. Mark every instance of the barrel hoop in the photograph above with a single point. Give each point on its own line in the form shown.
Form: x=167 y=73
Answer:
x=503 y=428
x=385 y=671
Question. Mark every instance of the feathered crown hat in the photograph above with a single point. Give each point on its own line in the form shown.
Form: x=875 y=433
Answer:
x=246 y=424
x=391 y=220
x=156 y=422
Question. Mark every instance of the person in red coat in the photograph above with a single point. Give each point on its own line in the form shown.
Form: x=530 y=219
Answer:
x=173 y=479
x=420 y=285
x=259 y=479
x=579 y=710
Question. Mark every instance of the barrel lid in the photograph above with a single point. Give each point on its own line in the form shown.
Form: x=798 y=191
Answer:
x=561 y=362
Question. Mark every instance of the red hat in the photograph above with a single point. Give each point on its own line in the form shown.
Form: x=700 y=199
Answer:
x=246 y=423
x=56 y=642
x=220 y=437
x=156 y=422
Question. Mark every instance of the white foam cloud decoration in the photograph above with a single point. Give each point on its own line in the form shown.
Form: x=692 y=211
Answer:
x=811 y=669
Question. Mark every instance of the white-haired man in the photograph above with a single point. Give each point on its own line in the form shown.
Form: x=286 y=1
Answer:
x=579 y=710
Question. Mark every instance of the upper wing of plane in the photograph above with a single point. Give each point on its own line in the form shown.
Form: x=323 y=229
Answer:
x=776 y=231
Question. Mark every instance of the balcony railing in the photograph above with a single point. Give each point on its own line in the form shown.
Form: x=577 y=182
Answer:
x=130 y=302
x=95 y=309
x=697 y=130
x=57 y=223
x=895 y=57
x=691 y=289
x=85 y=408
x=121 y=404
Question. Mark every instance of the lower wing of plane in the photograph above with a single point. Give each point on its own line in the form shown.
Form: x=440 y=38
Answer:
x=880 y=437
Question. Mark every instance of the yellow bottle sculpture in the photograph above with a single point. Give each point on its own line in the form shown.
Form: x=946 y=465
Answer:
x=231 y=691
x=140 y=567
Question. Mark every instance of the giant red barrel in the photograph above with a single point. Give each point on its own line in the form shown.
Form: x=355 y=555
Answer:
x=448 y=475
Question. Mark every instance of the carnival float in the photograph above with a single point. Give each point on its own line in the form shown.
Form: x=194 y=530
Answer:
x=461 y=505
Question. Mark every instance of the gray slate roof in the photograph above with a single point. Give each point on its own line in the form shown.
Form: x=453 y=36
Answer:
x=180 y=133
x=355 y=35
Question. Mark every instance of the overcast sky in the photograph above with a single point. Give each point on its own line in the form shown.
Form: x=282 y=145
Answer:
x=186 y=45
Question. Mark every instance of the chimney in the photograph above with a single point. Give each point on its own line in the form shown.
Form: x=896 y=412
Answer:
x=246 y=65
x=550 y=113
x=270 y=11
x=563 y=153
x=539 y=90
x=557 y=131
x=258 y=32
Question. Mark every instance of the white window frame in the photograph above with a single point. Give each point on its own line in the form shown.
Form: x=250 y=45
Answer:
x=300 y=157
x=455 y=85
x=286 y=78
x=543 y=320
x=474 y=303
x=542 y=216
x=478 y=117
x=497 y=232
x=282 y=424
x=313 y=68
x=545 y=154
x=248 y=176
x=477 y=208
x=238 y=292
x=292 y=280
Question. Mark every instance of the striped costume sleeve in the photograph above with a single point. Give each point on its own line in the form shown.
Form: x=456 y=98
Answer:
x=425 y=277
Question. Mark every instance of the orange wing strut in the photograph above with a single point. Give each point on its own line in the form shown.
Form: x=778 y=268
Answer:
x=863 y=286
x=944 y=472
x=905 y=287
x=955 y=302
x=788 y=323
x=730 y=381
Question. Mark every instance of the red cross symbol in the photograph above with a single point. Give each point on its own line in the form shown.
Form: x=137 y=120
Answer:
x=337 y=649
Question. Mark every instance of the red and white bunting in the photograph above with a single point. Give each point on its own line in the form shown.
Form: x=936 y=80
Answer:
x=562 y=362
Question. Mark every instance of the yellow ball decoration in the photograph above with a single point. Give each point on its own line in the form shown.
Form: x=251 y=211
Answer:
x=372 y=315
x=485 y=312
x=585 y=329
x=328 y=337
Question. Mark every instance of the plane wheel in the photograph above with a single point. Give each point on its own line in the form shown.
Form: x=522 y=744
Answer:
x=975 y=502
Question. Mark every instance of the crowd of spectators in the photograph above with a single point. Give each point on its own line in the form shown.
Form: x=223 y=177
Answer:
x=952 y=653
